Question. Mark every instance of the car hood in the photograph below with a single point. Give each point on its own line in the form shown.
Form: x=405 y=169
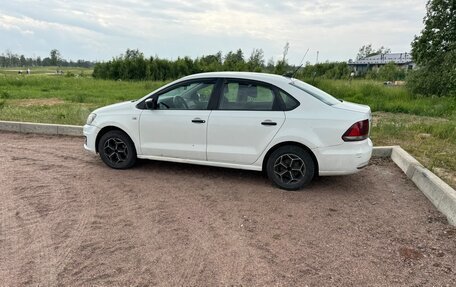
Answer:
x=115 y=107
x=353 y=107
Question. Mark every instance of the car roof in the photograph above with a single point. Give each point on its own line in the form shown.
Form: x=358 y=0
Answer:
x=270 y=78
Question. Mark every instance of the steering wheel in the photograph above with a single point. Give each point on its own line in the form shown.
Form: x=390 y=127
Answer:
x=180 y=102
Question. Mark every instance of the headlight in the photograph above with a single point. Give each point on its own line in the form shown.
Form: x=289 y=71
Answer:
x=91 y=118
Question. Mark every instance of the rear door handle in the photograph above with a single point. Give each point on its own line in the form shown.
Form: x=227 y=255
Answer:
x=198 y=121
x=269 y=123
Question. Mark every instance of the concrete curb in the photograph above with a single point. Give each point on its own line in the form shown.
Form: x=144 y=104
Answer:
x=436 y=190
x=49 y=129
x=382 y=151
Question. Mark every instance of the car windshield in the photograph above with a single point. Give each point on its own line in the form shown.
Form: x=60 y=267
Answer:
x=315 y=92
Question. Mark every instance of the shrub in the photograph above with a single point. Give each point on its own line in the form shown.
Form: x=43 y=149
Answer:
x=436 y=78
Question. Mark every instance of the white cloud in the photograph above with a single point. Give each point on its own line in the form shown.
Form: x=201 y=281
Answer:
x=171 y=28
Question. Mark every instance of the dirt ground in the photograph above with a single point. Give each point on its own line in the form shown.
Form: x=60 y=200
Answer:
x=67 y=219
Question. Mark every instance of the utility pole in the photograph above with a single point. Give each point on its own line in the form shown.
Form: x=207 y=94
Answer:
x=316 y=62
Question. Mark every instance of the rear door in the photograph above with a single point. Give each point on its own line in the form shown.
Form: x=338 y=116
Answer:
x=247 y=118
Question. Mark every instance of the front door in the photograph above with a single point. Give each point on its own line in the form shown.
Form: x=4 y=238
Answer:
x=177 y=127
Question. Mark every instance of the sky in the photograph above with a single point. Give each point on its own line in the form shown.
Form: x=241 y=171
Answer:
x=99 y=30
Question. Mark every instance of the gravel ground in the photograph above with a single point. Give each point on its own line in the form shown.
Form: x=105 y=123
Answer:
x=67 y=219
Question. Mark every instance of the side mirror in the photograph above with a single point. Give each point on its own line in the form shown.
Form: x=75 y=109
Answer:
x=150 y=104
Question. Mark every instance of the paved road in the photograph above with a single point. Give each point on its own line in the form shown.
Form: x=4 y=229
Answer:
x=66 y=219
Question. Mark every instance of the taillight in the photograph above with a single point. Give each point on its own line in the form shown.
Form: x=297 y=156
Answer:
x=357 y=132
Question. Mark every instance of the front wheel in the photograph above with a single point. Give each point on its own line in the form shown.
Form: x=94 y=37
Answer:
x=117 y=150
x=290 y=167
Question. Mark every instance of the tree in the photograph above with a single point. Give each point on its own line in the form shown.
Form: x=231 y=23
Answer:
x=439 y=34
x=234 y=61
x=367 y=51
x=389 y=72
x=282 y=64
x=55 y=57
x=434 y=51
x=23 y=61
x=256 y=61
x=209 y=63
x=133 y=54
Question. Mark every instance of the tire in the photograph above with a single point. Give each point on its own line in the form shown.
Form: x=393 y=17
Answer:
x=290 y=167
x=117 y=150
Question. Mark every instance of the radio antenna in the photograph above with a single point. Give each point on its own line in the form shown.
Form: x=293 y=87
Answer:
x=299 y=67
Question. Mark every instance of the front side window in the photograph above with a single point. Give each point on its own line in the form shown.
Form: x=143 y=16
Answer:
x=188 y=96
x=246 y=96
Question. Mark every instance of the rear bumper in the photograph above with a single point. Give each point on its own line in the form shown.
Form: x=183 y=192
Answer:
x=346 y=158
x=90 y=134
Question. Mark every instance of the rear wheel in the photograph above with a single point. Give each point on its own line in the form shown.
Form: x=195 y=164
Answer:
x=290 y=167
x=117 y=150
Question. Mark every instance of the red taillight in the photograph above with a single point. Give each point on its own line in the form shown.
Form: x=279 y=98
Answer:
x=357 y=132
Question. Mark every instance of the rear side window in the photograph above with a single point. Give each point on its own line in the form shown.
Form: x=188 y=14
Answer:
x=289 y=102
x=246 y=96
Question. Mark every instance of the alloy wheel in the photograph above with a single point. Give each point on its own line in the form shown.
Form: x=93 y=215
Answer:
x=115 y=150
x=289 y=168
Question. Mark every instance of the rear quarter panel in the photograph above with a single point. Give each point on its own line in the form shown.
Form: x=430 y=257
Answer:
x=313 y=124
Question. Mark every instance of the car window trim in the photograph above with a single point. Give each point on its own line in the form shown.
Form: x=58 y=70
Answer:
x=216 y=94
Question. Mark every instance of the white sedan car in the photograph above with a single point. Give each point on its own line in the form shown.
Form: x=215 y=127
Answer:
x=283 y=126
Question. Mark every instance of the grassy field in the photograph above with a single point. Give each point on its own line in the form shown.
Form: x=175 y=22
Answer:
x=394 y=99
x=62 y=99
x=425 y=127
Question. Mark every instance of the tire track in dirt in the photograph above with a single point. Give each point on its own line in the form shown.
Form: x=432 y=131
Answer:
x=164 y=224
x=23 y=228
x=37 y=169
x=212 y=241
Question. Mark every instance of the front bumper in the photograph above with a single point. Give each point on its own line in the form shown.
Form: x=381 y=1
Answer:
x=90 y=134
x=346 y=158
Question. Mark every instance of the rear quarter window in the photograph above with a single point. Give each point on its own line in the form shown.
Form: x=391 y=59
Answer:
x=289 y=102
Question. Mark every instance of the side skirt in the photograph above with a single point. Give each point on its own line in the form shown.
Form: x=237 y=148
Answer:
x=203 y=162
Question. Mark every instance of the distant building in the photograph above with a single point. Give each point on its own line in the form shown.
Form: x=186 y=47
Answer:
x=402 y=60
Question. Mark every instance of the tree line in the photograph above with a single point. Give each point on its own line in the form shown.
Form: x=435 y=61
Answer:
x=133 y=65
x=9 y=59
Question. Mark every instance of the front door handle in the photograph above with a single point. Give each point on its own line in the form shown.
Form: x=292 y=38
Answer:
x=198 y=121
x=269 y=123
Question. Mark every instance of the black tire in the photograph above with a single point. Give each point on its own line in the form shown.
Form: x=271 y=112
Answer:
x=290 y=167
x=117 y=150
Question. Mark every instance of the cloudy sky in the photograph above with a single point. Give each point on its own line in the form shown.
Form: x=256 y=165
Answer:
x=96 y=30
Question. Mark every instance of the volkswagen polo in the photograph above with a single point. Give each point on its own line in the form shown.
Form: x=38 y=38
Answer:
x=254 y=121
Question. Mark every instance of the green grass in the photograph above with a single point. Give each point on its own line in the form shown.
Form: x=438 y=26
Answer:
x=431 y=140
x=425 y=127
x=62 y=99
x=395 y=99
